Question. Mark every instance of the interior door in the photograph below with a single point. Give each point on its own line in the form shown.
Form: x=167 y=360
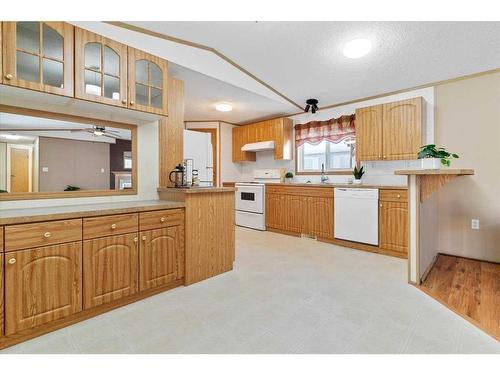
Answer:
x=19 y=170
x=198 y=146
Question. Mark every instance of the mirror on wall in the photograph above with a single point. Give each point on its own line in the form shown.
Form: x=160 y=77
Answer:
x=46 y=155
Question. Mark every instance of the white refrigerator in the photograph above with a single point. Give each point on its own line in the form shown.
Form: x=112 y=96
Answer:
x=198 y=147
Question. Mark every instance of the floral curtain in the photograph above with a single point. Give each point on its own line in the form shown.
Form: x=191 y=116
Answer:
x=334 y=130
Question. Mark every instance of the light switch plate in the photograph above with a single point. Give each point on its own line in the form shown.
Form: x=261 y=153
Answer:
x=45 y=169
x=474 y=224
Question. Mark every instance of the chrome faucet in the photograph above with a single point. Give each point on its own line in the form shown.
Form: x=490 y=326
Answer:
x=324 y=177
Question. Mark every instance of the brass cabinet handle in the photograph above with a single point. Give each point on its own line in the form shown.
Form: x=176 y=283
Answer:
x=399 y=195
x=12 y=261
x=132 y=102
x=162 y=220
x=47 y=234
x=144 y=238
x=136 y=239
x=124 y=101
x=9 y=76
x=113 y=226
x=380 y=204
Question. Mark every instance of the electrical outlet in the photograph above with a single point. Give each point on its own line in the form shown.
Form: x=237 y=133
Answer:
x=474 y=224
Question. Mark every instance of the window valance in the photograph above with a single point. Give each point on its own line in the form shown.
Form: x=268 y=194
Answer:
x=334 y=130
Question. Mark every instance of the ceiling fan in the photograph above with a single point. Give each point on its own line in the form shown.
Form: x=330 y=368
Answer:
x=99 y=131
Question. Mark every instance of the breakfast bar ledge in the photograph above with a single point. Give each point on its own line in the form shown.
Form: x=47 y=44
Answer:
x=423 y=216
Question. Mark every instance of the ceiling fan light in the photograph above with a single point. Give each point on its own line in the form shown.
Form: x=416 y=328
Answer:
x=224 y=107
x=307 y=108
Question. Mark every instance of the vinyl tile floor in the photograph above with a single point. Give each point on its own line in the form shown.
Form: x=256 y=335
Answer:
x=285 y=295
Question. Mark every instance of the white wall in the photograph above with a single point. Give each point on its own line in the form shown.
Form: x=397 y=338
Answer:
x=147 y=159
x=378 y=172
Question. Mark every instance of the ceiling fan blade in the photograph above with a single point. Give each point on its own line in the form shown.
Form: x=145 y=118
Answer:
x=81 y=130
x=110 y=136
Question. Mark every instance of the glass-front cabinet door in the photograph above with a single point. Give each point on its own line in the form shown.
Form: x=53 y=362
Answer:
x=147 y=82
x=100 y=69
x=38 y=56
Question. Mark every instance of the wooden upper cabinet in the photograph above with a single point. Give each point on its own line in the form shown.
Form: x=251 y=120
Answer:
x=391 y=131
x=161 y=256
x=39 y=56
x=277 y=130
x=100 y=69
x=42 y=285
x=402 y=129
x=147 y=82
x=110 y=269
x=1 y=54
x=241 y=136
x=369 y=133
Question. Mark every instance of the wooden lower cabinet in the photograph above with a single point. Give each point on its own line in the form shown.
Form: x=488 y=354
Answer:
x=393 y=224
x=161 y=257
x=1 y=295
x=320 y=217
x=110 y=269
x=308 y=213
x=42 y=285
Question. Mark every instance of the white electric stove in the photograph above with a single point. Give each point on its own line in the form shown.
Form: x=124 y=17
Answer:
x=250 y=198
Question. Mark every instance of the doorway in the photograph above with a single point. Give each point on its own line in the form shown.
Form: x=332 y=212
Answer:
x=19 y=168
x=213 y=138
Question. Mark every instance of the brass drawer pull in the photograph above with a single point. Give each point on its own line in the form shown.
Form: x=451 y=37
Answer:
x=113 y=226
x=162 y=220
x=136 y=239
x=132 y=102
x=9 y=76
x=144 y=238
x=12 y=261
x=399 y=195
x=124 y=101
x=47 y=235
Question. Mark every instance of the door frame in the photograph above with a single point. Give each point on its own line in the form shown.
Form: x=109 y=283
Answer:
x=214 y=136
x=10 y=146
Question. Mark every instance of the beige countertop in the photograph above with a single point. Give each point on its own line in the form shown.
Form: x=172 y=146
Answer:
x=443 y=171
x=197 y=190
x=27 y=215
x=334 y=185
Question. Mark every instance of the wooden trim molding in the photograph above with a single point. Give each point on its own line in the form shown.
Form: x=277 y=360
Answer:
x=83 y=120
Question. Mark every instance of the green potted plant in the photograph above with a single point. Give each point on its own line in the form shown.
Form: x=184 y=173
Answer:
x=433 y=157
x=71 y=188
x=358 y=173
x=288 y=177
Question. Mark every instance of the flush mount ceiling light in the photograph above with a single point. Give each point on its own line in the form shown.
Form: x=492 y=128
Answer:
x=311 y=104
x=224 y=107
x=357 y=48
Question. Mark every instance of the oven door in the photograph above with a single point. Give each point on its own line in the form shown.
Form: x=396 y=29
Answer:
x=250 y=198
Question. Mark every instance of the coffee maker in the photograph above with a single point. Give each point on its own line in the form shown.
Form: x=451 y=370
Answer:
x=179 y=179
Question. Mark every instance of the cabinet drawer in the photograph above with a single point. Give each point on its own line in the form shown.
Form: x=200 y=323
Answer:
x=160 y=219
x=103 y=226
x=26 y=236
x=300 y=190
x=394 y=195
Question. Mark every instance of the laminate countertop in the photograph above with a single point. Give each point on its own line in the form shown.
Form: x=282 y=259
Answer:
x=334 y=185
x=197 y=190
x=29 y=215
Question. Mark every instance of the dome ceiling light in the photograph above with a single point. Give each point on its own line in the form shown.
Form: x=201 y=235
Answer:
x=357 y=48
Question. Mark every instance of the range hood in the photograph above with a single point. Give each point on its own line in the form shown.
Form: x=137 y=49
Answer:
x=258 y=146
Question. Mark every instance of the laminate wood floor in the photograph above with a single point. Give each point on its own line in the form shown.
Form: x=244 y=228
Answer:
x=469 y=287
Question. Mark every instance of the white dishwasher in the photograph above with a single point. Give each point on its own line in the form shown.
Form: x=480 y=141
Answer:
x=356 y=215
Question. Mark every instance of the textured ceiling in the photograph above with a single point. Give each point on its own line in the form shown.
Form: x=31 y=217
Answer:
x=203 y=92
x=304 y=59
